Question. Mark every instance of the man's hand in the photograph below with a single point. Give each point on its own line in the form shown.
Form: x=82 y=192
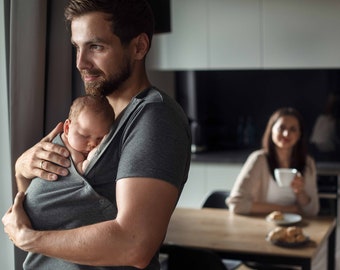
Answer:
x=16 y=223
x=45 y=159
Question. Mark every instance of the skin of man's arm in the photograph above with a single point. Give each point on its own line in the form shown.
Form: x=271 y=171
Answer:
x=144 y=206
x=27 y=165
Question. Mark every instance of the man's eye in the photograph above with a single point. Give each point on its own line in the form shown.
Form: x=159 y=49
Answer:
x=96 y=47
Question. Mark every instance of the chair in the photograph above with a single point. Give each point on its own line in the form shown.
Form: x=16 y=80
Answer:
x=216 y=199
x=183 y=258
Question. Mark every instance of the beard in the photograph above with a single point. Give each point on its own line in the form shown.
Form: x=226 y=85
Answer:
x=105 y=87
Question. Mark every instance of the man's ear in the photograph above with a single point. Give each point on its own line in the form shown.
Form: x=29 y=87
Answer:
x=142 y=45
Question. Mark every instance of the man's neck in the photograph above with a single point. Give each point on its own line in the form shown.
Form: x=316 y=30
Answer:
x=120 y=98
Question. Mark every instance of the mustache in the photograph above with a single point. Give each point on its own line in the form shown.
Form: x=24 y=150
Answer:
x=90 y=73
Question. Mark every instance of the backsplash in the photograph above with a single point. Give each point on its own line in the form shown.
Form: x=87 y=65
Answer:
x=229 y=109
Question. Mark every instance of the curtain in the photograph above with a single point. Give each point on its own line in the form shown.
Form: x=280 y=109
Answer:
x=40 y=75
x=6 y=247
x=40 y=70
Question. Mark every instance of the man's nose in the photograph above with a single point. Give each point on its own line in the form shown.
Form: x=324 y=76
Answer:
x=83 y=60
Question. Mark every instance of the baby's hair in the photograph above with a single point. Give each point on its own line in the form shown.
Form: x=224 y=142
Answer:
x=97 y=104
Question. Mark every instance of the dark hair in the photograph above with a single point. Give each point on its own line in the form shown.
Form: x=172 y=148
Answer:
x=299 y=153
x=98 y=104
x=129 y=18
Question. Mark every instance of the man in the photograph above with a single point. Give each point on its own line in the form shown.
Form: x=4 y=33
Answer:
x=144 y=165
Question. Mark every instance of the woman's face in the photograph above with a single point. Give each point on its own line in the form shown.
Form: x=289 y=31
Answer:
x=286 y=132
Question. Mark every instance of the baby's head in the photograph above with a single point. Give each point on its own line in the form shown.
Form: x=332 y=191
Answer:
x=89 y=120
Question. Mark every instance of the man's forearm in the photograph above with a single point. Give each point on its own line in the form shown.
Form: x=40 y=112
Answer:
x=101 y=244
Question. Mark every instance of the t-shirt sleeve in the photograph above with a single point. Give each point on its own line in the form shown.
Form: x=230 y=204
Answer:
x=157 y=145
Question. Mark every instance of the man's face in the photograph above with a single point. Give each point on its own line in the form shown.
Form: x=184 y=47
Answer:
x=104 y=64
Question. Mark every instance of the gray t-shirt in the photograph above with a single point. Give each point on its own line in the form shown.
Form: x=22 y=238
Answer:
x=151 y=138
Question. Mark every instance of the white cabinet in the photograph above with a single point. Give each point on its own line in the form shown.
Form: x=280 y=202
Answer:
x=301 y=33
x=209 y=34
x=186 y=46
x=249 y=34
x=234 y=34
x=204 y=178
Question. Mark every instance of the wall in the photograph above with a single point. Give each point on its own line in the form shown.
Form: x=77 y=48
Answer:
x=164 y=80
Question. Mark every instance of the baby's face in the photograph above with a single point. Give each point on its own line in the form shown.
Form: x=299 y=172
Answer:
x=86 y=132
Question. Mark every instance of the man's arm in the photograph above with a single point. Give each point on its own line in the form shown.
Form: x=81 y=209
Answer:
x=54 y=158
x=144 y=206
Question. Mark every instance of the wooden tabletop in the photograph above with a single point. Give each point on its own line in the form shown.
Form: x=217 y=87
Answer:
x=222 y=231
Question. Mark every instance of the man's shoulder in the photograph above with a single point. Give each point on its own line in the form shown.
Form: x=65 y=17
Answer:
x=158 y=102
x=152 y=94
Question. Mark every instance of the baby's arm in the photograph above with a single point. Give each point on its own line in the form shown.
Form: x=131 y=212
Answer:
x=83 y=165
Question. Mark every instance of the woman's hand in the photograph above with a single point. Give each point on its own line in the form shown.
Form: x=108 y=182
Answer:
x=298 y=186
x=298 y=183
x=45 y=159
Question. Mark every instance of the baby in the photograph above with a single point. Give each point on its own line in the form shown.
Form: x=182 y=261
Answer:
x=54 y=204
x=90 y=119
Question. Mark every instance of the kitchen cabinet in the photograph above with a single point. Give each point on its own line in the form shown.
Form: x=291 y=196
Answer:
x=249 y=34
x=234 y=34
x=204 y=178
x=186 y=46
x=301 y=34
x=209 y=34
x=328 y=177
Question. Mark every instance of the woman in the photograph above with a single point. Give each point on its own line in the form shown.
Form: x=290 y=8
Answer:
x=256 y=190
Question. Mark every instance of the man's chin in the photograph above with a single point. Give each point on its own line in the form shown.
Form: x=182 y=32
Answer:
x=95 y=91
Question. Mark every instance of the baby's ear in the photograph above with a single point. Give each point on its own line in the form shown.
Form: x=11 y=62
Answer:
x=67 y=126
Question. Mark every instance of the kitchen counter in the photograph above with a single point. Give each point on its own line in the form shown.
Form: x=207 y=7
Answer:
x=230 y=156
x=240 y=156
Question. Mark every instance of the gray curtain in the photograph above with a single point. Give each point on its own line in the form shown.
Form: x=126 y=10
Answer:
x=40 y=74
x=6 y=247
x=40 y=70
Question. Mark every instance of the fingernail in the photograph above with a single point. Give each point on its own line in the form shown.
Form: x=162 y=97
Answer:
x=64 y=172
x=67 y=163
x=65 y=153
x=52 y=176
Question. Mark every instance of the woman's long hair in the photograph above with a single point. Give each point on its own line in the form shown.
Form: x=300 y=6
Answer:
x=299 y=152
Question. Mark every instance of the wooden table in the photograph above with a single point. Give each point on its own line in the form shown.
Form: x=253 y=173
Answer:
x=243 y=237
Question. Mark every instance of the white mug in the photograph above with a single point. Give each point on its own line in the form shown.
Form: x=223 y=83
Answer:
x=284 y=176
